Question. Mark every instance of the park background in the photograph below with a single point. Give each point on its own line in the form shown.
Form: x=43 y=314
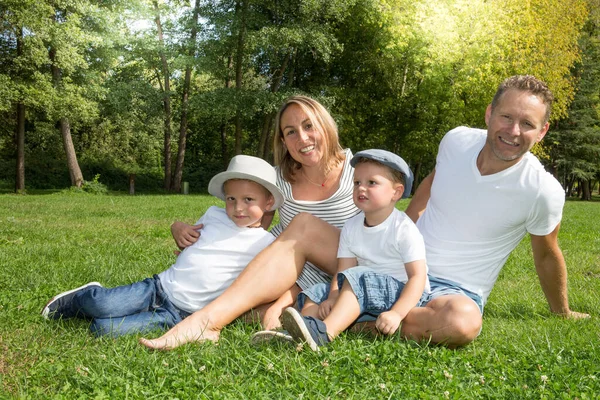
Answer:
x=95 y=93
x=168 y=91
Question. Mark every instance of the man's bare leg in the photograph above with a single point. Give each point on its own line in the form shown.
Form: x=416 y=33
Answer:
x=451 y=320
x=268 y=276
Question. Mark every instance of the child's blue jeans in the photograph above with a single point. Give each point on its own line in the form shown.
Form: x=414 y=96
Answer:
x=140 y=307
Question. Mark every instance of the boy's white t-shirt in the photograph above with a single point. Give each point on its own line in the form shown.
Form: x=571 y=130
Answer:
x=386 y=247
x=205 y=269
x=472 y=222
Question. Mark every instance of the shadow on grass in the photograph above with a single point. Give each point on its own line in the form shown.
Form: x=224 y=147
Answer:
x=511 y=311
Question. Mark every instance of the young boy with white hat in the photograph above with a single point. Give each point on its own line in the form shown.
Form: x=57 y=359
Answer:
x=382 y=272
x=230 y=238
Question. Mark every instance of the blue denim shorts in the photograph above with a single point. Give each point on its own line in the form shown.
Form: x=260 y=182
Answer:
x=376 y=293
x=443 y=287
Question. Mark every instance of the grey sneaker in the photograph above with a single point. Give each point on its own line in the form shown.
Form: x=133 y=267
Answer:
x=305 y=329
x=269 y=336
x=62 y=299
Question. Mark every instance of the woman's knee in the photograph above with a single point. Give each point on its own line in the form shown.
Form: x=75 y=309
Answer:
x=300 y=223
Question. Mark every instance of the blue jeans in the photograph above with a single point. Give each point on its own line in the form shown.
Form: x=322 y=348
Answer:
x=375 y=292
x=140 y=307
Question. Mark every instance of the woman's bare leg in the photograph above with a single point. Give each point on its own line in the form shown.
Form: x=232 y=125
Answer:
x=451 y=320
x=268 y=276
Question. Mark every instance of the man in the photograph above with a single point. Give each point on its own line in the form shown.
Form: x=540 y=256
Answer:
x=486 y=192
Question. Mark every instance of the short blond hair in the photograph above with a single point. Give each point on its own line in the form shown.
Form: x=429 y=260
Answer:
x=323 y=122
x=526 y=83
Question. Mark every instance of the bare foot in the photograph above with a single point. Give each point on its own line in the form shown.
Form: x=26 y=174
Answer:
x=186 y=331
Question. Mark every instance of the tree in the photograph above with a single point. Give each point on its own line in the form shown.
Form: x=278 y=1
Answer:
x=576 y=138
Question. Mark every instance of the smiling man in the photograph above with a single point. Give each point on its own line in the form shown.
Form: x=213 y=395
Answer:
x=487 y=191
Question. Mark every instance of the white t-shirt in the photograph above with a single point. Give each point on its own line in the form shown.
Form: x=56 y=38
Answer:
x=206 y=268
x=473 y=222
x=386 y=247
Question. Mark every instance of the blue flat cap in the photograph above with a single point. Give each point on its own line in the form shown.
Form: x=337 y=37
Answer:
x=391 y=160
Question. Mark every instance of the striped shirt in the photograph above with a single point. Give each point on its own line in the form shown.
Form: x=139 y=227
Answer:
x=335 y=210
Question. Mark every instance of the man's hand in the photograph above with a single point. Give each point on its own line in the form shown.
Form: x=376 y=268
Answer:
x=185 y=235
x=388 y=322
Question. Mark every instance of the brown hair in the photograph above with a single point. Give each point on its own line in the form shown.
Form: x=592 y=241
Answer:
x=394 y=175
x=323 y=122
x=526 y=83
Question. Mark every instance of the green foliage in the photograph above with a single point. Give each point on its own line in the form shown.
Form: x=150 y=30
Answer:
x=94 y=186
x=396 y=74
x=51 y=242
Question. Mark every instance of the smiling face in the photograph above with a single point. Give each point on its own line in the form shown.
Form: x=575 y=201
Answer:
x=246 y=201
x=301 y=137
x=515 y=124
x=374 y=192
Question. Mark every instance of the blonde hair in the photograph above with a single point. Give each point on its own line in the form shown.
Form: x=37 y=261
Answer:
x=323 y=122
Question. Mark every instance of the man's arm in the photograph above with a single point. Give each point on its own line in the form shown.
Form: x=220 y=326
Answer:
x=419 y=200
x=552 y=272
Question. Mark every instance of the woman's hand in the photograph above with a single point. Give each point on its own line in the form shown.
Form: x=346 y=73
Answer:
x=185 y=235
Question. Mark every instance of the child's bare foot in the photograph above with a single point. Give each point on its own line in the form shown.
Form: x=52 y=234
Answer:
x=186 y=331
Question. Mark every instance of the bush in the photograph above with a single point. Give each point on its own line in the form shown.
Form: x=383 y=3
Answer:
x=94 y=186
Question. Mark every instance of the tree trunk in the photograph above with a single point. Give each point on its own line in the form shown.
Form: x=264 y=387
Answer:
x=176 y=184
x=20 y=136
x=166 y=101
x=131 y=184
x=586 y=193
x=74 y=170
x=416 y=177
x=263 y=144
x=223 y=130
x=65 y=130
x=241 y=7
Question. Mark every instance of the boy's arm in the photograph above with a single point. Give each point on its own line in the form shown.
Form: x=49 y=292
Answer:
x=267 y=218
x=334 y=290
x=388 y=322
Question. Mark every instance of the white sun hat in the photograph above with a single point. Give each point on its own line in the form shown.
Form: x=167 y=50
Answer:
x=251 y=168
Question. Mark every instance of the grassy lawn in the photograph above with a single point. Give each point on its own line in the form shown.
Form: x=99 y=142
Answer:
x=53 y=242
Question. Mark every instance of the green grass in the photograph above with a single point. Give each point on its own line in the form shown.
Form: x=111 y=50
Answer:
x=53 y=242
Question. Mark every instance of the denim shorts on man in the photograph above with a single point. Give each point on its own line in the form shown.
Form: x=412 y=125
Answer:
x=376 y=293
x=443 y=287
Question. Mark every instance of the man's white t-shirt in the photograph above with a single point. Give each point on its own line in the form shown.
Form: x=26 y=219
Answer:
x=473 y=222
x=206 y=268
x=386 y=247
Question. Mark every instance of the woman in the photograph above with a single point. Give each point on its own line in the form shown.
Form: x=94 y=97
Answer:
x=315 y=175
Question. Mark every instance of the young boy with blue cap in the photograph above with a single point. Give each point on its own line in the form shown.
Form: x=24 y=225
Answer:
x=382 y=272
x=231 y=237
